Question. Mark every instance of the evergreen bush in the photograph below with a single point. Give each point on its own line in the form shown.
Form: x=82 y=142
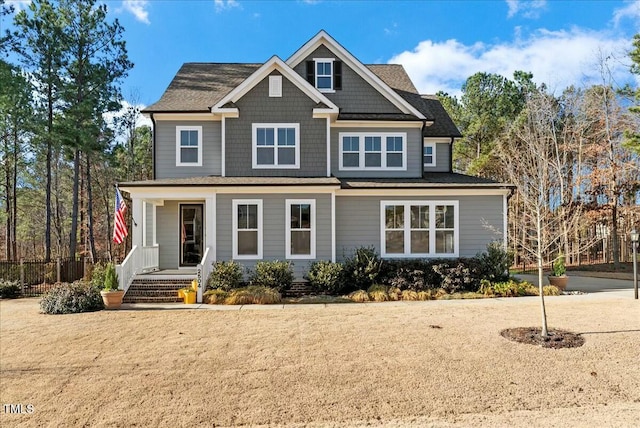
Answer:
x=72 y=298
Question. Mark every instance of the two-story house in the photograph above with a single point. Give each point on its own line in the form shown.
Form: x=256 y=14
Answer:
x=303 y=160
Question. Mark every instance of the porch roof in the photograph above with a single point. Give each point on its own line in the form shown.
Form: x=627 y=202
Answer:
x=440 y=180
x=235 y=181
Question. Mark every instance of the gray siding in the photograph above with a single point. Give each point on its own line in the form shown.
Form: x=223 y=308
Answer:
x=414 y=154
x=168 y=218
x=166 y=150
x=442 y=159
x=358 y=222
x=356 y=95
x=293 y=107
x=274 y=228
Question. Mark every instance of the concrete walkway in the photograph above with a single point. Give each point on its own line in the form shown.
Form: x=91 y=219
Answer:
x=595 y=288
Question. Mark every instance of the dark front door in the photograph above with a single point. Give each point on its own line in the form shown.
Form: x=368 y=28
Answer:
x=190 y=234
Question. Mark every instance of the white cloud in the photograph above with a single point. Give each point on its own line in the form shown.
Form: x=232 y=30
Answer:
x=138 y=8
x=630 y=11
x=18 y=4
x=222 y=5
x=528 y=8
x=556 y=58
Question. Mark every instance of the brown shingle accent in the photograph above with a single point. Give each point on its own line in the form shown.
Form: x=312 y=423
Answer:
x=235 y=181
x=428 y=181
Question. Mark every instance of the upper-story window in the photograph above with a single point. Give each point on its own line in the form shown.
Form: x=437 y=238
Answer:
x=188 y=145
x=372 y=151
x=325 y=74
x=429 y=154
x=276 y=145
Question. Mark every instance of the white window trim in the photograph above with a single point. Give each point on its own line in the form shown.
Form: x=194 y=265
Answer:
x=178 y=146
x=254 y=145
x=314 y=227
x=383 y=148
x=433 y=146
x=315 y=74
x=234 y=237
x=275 y=86
x=432 y=229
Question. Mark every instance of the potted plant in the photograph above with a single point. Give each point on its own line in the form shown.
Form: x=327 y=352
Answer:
x=559 y=277
x=111 y=296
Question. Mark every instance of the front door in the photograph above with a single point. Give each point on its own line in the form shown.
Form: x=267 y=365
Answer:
x=191 y=235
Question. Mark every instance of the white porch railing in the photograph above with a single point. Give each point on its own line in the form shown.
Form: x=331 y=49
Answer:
x=138 y=260
x=127 y=269
x=150 y=258
x=202 y=270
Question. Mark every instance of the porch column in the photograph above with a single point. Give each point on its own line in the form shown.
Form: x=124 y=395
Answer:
x=210 y=222
x=138 y=221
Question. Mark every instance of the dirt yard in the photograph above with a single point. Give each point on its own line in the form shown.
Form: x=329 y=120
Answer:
x=417 y=364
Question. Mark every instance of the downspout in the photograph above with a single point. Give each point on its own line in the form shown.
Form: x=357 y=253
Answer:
x=451 y=154
x=153 y=146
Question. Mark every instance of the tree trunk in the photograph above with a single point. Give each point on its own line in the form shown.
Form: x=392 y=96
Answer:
x=7 y=198
x=47 y=229
x=92 y=243
x=544 y=332
x=614 y=234
x=73 y=234
x=14 y=195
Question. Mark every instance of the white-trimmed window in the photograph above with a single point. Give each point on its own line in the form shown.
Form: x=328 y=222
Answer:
x=247 y=229
x=419 y=228
x=429 y=154
x=188 y=145
x=324 y=74
x=276 y=145
x=300 y=239
x=372 y=151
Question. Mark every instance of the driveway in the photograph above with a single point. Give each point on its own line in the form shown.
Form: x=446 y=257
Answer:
x=589 y=284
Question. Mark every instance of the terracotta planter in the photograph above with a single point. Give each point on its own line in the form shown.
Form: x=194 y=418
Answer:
x=112 y=299
x=559 y=281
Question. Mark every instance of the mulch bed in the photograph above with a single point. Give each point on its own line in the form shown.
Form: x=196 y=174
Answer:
x=531 y=335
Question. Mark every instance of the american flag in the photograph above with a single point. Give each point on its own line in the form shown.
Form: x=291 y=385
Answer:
x=119 y=225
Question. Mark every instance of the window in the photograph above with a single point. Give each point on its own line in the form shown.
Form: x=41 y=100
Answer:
x=419 y=228
x=300 y=240
x=276 y=145
x=247 y=228
x=429 y=154
x=325 y=74
x=188 y=145
x=372 y=151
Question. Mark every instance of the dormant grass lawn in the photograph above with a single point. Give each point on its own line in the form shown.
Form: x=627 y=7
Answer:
x=434 y=363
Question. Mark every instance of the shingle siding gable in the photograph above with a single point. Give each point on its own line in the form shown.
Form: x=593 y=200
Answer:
x=356 y=95
x=293 y=107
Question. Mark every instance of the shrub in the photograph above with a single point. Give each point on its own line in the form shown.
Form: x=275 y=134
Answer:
x=361 y=270
x=98 y=273
x=214 y=297
x=9 y=289
x=325 y=277
x=510 y=288
x=409 y=279
x=409 y=295
x=425 y=295
x=394 y=293
x=456 y=278
x=71 y=298
x=225 y=275
x=558 y=267
x=253 y=295
x=359 y=296
x=110 y=278
x=273 y=274
x=494 y=264
x=378 y=293
x=551 y=290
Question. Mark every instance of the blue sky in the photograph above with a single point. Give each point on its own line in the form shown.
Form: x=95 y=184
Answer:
x=440 y=43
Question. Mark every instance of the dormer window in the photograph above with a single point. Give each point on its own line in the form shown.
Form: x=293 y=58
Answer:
x=325 y=74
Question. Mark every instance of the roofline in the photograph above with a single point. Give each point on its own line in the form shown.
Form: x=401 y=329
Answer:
x=134 y=184
x=358 y=67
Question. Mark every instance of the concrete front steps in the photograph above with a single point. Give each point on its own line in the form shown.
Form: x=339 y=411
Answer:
x=156 y=289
